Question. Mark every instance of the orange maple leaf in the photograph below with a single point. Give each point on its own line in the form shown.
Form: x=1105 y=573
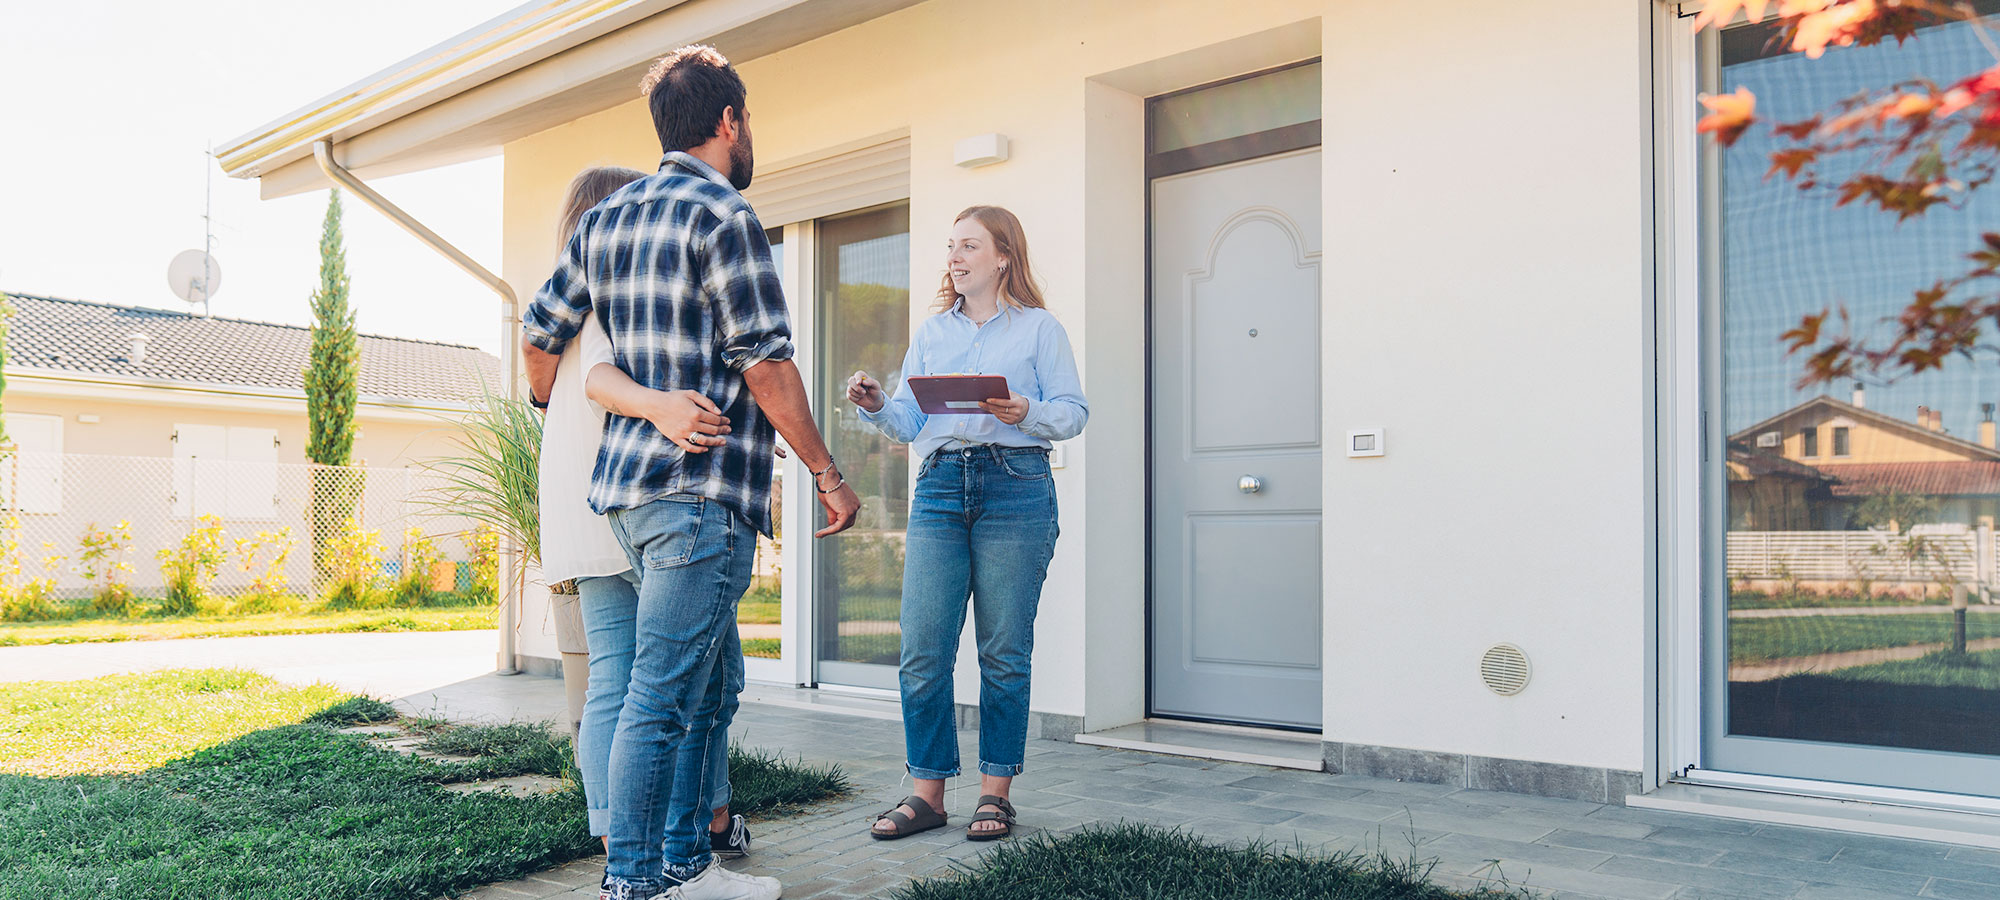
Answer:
x=1723 y=12
x=1913 y=106
x=1728 y=115
x=1831 y=25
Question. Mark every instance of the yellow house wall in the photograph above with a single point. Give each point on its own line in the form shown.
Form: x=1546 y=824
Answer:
x=1454 y=258
x=1867 y=441
x=146 y=429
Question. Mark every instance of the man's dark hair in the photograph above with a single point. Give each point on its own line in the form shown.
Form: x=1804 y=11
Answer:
x=687 y=90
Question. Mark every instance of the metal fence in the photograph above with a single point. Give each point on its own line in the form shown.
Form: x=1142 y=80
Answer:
x=1926 y=555
x=63 y=501
x=141 y=506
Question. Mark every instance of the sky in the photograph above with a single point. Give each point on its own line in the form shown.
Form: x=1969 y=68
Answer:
x=109 y=109
x=1787 y=254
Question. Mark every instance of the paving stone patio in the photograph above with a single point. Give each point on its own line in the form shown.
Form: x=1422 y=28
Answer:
x=1563 y=848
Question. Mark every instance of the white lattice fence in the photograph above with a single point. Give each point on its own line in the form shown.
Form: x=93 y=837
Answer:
x=61 y=498
x=1965 y=557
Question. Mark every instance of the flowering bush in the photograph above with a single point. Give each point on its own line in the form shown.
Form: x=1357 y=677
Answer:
x=191 y=568
x=484 y=542
x=354 y=567
x=264 y=558
x=104 y=562
x=420 y=556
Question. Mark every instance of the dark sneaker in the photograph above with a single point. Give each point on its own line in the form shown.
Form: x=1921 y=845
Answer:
x=731 y=843
x=612 y=889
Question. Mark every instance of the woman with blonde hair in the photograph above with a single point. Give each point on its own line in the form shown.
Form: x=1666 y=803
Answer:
x=983 y=518
x=578 y=544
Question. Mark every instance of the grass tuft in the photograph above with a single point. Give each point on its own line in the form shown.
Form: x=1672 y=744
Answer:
x=762 y=783
x=503 y=751
x=353 y=711
x=1145 y=862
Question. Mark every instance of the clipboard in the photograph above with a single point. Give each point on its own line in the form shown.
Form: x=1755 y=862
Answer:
x=948 y=395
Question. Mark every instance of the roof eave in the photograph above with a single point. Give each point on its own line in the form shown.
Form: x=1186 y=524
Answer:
x=507 y=42
x=517 y=76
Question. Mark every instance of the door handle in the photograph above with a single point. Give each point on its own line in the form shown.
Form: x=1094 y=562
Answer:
x=1249 y=484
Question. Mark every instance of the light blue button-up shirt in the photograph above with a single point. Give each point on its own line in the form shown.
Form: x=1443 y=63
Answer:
x=1028 y=346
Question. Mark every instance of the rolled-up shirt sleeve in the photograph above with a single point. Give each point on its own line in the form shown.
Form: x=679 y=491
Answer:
x=1060 y=413
x=557 y=311
x=750 y=300
x=901 y=419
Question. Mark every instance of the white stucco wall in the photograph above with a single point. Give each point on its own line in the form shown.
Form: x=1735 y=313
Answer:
x=1485 y=177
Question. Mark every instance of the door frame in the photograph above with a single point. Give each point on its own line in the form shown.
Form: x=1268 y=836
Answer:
x=1687 y=503
x=1241 y=148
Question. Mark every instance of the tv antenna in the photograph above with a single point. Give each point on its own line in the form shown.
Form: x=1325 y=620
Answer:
x=194 y=275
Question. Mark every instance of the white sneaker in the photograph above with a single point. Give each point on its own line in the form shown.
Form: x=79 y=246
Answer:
x=718 y=883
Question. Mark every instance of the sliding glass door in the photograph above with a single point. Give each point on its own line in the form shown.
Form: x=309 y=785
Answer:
x=1852 y=602
x=862 y=321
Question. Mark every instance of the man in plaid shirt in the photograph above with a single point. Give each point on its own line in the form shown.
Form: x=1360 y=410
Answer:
x=678 y=271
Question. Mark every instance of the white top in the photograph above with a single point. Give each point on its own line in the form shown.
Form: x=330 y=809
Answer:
x=576 y=543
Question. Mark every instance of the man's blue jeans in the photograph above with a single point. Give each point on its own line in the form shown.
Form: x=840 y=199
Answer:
x=983 y=523
x=694 y=559
x=610 y=606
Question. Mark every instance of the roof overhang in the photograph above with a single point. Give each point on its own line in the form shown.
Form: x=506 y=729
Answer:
x=533 y=68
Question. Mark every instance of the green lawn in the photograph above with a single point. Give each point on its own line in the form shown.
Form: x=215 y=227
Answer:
x=1760 y=640
x=317 y=621
x=227 y=784
x=1940 y=669
x=1804 y=600
x=1139 y=862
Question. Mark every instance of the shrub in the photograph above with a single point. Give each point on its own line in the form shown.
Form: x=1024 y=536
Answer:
x=420 y=556
x=264 y=558
x=484 y=542
x=104 y=563
x=36 y=600
x=192 y=567
x=354 y=565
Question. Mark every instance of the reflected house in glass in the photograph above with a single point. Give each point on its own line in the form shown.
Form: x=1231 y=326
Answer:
x=1811 y=467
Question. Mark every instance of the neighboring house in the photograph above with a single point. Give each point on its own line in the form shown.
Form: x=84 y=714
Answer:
x=94 y=378
x=1861 y=452
x=157 y=417
x=1431 y=278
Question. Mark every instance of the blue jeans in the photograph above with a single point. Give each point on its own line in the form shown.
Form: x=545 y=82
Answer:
x=610 y=606
x=982 y=523
x=694 y=560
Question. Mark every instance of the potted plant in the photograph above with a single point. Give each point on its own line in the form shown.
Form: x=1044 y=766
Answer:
x=494 y=480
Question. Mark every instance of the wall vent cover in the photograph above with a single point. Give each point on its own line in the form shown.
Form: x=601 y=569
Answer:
x=1504 y=668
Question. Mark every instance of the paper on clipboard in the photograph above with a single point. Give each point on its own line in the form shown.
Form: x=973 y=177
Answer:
x=956 y=394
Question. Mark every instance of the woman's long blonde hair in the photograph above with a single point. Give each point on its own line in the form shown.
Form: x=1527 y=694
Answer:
x=588 y=189
x=1017 y=281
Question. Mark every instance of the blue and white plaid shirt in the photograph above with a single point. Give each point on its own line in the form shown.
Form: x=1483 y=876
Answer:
x=679 y=272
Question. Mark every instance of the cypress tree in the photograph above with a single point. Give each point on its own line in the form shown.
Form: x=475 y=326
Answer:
x=331 y=373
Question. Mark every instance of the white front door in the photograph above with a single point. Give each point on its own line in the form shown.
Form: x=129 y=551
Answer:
x=1236 y=442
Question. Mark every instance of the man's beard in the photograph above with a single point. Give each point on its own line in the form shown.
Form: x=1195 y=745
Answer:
x=740 y=163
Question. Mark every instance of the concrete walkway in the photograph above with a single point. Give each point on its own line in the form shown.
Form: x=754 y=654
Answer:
x=1568 y=848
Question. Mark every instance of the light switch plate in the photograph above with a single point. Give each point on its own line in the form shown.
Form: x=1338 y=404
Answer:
x=1365 y=442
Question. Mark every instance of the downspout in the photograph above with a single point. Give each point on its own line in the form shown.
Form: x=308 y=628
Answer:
x=510 y=604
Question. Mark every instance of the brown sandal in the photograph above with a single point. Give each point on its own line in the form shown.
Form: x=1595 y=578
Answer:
x=1005 y=817
x=926 y=819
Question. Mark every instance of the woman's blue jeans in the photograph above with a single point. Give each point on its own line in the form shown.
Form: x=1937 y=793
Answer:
x=610 y=606
x=983 y=525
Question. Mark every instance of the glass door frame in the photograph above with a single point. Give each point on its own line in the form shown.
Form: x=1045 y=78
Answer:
x=1692 y=743
x=793 y=667
x=797 y=663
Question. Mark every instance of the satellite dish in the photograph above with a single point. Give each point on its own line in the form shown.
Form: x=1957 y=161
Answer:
x=194 y=276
